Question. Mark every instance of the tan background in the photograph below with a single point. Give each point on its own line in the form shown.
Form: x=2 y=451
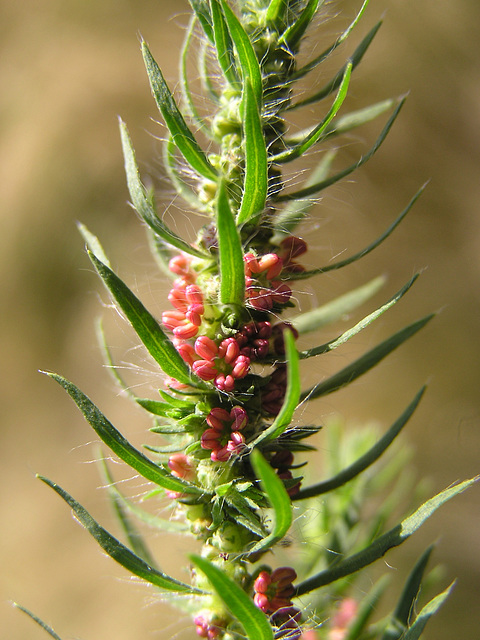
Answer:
x=67 y=70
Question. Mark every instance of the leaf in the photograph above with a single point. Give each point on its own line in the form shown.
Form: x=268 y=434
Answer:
x=144 y=516
x=232 y=269
x=405 y=608
x=276 y=12
x=316 y=133
x=120 y=445
x=366 y=250
x=292 y=394
x=362 y=463
x=278 y=498
x=119 y=552
x=365 y=362
x=42 y=624
x=354 y=60
x=118 y=504
x=185 y=85
x=256 y=169
x=383 y=543
x=224 y=45
x=337 y=308
x=363 y=324
x=254 y=622
x=295 y=211
x=147 y=328
x=313 y=63
x=182 y=136
x=292 y=36
x=202 y=12
x=416 y=630
x=142 y=203
x=246 y=54
x=107 y=356
x=312 y=189
x=93 y=243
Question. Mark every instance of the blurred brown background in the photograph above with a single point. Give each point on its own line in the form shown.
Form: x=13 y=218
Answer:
x=68 y=69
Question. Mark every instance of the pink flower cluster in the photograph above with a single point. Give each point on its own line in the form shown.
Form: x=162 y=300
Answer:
x=273 y=291
x=222 y=364
x=187 y=298
x=274 y=590
x=181 y=467
x=205 y=628
x=274 y=391
x=223 y=437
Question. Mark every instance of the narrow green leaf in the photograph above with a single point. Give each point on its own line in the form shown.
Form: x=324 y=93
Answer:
x=310 y=190
x=120 y=445
x=188 y=100
x=147 y=328
x=243 y=506
x=206 y=76
x=116 y=550
x=93 y=243
x=382 y=544
x=337 y=308
x=181 y=186
x=276 y=12
x=416 y=630
x=313 y=63
x=292 y=36
x=182 y=136
x=202 y=11
x=144 y=516
x=296 y=211
x=246 y=54
x=143 y=203
x=278 y=498
x=405 y=608
x=254 y=622
x=232 y=270
x=365 y=362
x=256 y=168
x=365 y=461
x=117 y=501
x=360 y=326
x=368 y=606
x=316 y=134
x=356 y=256
x=40 y=622
x=292 y=394
x=224 y=45
x=108 y=359
x=354 y=60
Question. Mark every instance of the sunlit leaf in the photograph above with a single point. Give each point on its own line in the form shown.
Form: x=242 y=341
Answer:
x=119 y=551
x=202 y=11
x=232 y=269
x=254 y=622
x=319 y=186
x=382 y=544
x=143 y=202
x=366 y=362
x=93 y=243
x=316 y=133
x=292 y=394
x=224 y=45
x=362 y=463
x=360 y=326
x=354 y=60
x=182 y=136
x=292 y=36
x=120 y=445
x=246 y=54
x=147 y=328
x=416 y=630
x=256 y=169
x=278 y=498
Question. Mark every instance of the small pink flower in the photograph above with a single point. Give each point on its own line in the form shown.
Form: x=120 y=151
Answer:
x=187 y=352
x=241 y=367
x=206 y=348
x=186 y=331
x=225 y=383
x=239 y=417
x=281 y=293
x=228 y=349
x=272 y=264
x=172 y=319
x=204 y=369
x=194 y=294
x=180 y=265
x=210 y=439
x=293 y=247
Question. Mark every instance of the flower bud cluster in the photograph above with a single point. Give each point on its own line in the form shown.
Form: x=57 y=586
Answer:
x=263 y=288
x=224 y=437
x=208 y=626
x=274 y=590
x=187 y=298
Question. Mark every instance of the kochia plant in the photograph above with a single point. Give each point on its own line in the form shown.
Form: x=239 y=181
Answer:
x=228 y=410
